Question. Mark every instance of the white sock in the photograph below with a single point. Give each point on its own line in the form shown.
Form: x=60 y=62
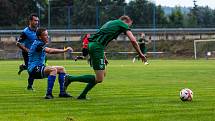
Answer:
x=134 y=60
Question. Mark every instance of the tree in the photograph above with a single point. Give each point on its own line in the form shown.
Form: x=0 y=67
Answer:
x=161 y=18
x=190 y=19
x=14 y=12
x=176 y=18
x=141 y=12
x=88 y=13
x=205 y=16
x=110 y=9
x=6 y=7
x=84 y=13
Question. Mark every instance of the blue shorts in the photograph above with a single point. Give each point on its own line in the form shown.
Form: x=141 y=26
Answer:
x=38 y=72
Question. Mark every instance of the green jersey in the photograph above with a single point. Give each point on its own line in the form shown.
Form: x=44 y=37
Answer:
x=109 y=31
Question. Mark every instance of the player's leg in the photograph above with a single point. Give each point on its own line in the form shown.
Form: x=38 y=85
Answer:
x=61 y=74
x=30 y=78
x=144 y=51
x=51 y=72
x=40 y=72
x=135 y=58
x=80 y=57
x=96 y=52
x=82 y=78
x=90 y=79
x=23 y=67
x=99 y=78
x=30 y=83
x=85 y=53
x=97 y=60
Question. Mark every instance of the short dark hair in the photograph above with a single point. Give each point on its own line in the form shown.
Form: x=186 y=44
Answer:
x=40 y=31
x=30 y=17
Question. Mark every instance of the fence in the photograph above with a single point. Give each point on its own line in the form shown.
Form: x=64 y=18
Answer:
x=174 y=42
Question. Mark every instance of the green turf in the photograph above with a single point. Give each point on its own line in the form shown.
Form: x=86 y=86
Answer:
x=130 y=92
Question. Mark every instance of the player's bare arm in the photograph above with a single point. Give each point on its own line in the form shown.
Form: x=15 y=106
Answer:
x=106 y=60
x=18 y=44
x=55 y=51
x=135 y=45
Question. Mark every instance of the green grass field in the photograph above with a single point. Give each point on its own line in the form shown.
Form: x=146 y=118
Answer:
x=130 y=92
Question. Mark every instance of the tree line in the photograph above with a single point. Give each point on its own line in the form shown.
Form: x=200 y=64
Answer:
x=93 y=13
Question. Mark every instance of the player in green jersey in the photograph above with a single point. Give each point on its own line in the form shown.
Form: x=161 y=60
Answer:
x=96 y=46
x=142 y=43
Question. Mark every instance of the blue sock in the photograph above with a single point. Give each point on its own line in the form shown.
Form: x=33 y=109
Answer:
x=61 y=81
x=51 y=80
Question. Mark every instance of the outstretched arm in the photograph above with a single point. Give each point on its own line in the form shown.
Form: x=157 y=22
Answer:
x=55 y=51
x=135 y=45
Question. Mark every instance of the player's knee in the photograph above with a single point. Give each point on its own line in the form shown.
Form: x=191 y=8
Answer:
x=53 y=71
x=62 y=70
x=99 y=81
x=100 y=76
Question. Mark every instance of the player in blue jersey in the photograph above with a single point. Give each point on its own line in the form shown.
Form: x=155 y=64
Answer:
x=38 y=70
x=25 y=41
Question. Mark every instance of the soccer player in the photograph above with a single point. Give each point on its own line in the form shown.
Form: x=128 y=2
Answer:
x=85 y=42
x=142 y=43
x=96 y=46
x=38 y=70
x=25 y=41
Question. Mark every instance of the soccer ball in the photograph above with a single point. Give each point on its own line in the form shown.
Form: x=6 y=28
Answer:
x=186 y=94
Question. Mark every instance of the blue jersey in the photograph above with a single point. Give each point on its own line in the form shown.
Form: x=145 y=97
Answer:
x=27 y=37
x=36 y=55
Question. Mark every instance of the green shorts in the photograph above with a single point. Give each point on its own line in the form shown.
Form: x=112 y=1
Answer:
x=96 y=52
x=144 y=50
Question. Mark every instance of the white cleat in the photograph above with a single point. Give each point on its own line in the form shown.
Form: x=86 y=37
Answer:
x=146 y=63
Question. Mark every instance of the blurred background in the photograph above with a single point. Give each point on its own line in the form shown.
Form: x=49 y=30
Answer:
x=172 y=29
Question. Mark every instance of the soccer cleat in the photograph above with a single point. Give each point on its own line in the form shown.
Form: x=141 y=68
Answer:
x=64 y=95
x=66 y=82
x=30 y=88
x=21 y=68
x=49 y=96
x=146 y=63
x=82 y=97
